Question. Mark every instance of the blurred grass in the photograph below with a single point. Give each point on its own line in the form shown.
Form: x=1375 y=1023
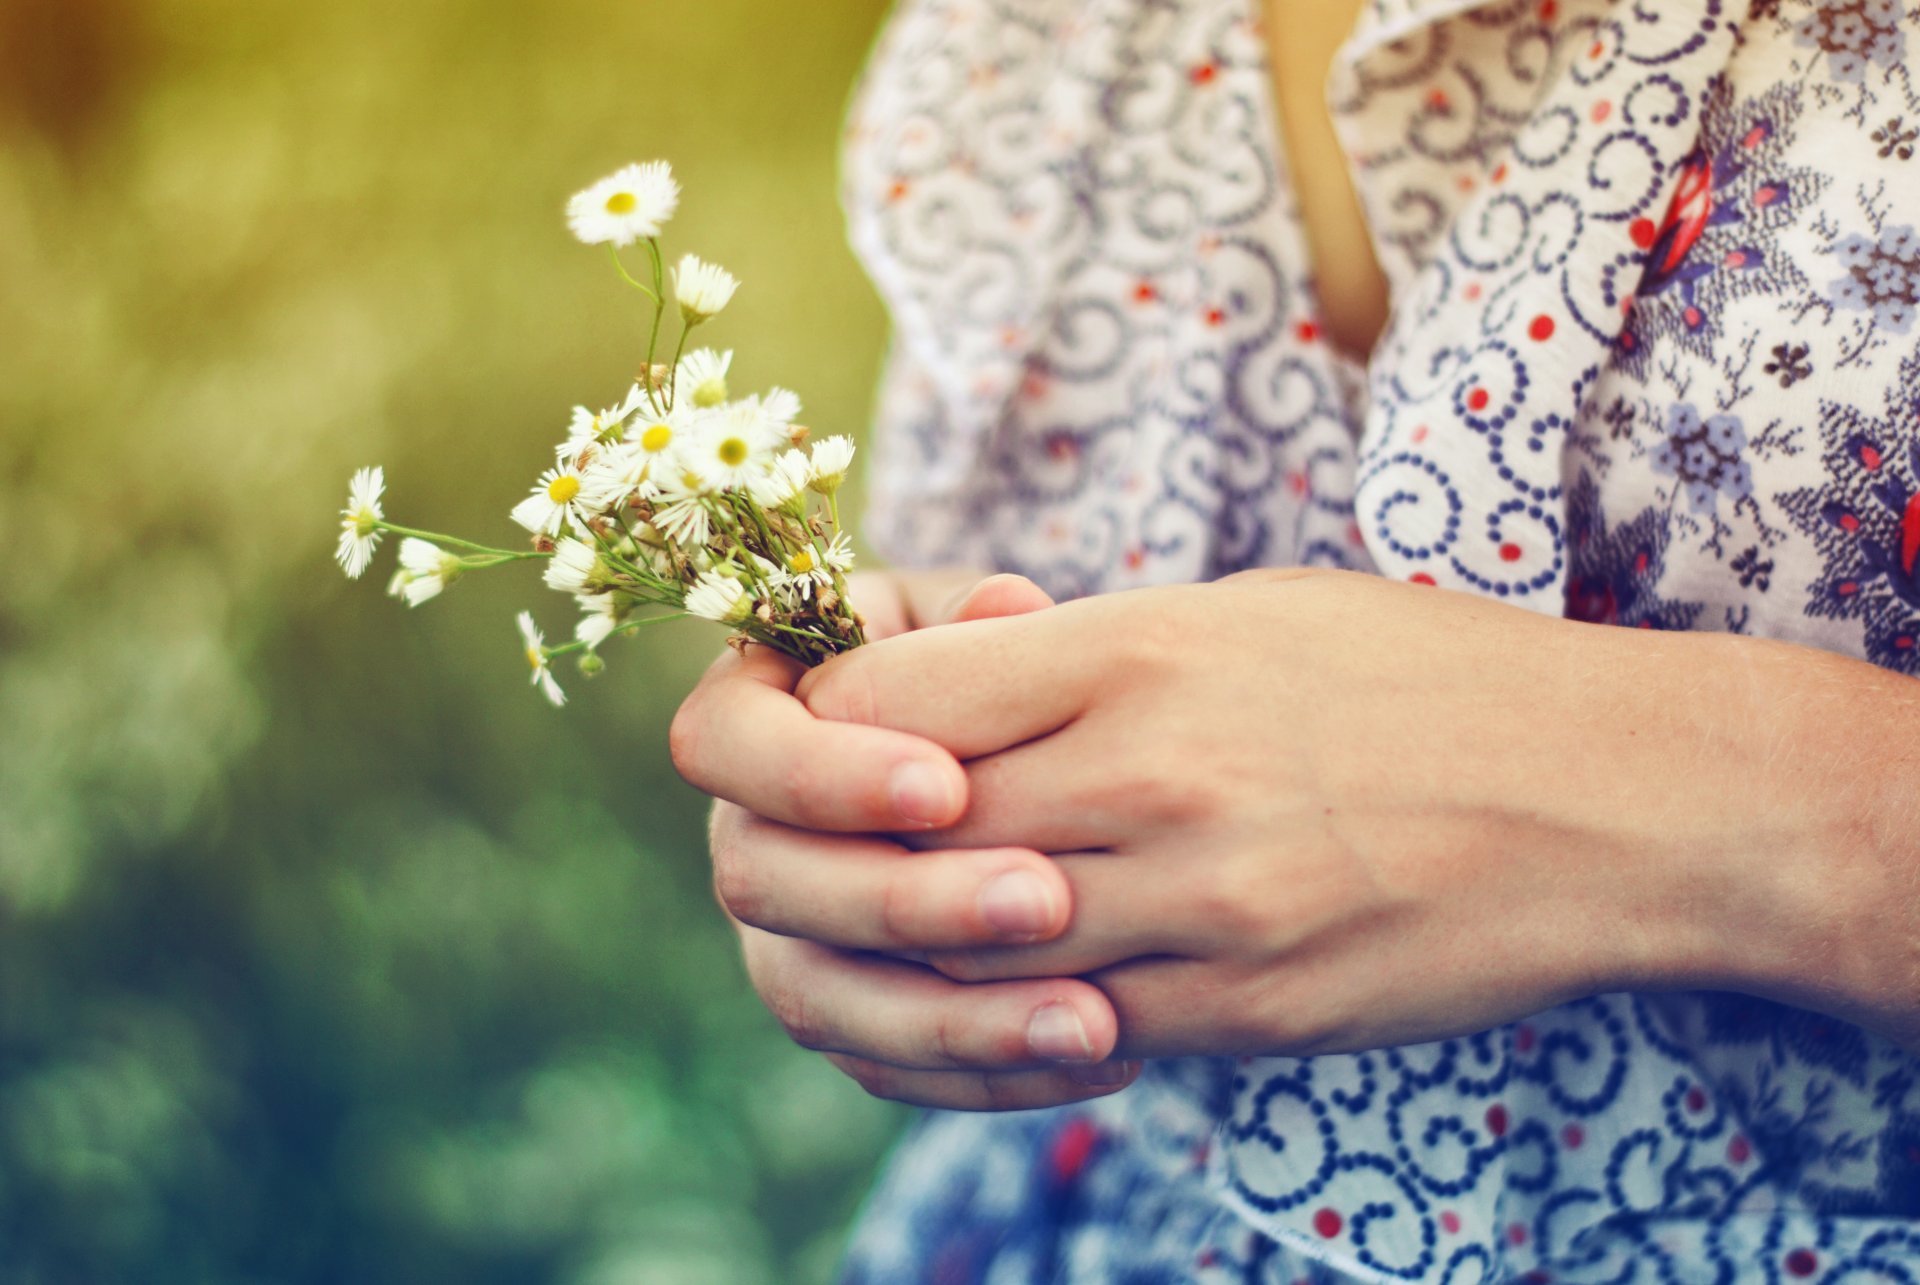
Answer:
x=327 y=951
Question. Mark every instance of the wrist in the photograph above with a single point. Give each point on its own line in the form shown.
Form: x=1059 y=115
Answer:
x=1815 y=902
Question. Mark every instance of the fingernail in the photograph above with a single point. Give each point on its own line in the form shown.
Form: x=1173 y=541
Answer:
x=1103 y=1075
x=921 y=793
x=1056 y=1033
x=1017 y=904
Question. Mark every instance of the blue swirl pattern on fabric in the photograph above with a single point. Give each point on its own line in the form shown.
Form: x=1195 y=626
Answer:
x=1651 y=364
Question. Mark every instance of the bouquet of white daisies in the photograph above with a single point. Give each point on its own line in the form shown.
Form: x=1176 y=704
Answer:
x=678 y=496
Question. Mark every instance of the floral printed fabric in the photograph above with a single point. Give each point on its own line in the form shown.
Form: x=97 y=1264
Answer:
x=1652 y=362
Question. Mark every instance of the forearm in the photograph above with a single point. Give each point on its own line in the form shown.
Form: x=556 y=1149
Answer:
x=1781 y=780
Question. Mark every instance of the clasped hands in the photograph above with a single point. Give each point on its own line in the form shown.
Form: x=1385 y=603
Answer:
x=993 y=863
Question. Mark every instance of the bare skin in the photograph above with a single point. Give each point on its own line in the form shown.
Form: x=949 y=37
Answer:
x=1248 y=824
x=1291 y=812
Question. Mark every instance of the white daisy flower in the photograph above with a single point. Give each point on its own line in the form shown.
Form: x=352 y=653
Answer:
x=653 y=443
x=602 y=615
x=702 y=377
x=702 y=288
x=425 y=569
x=832 y=457
x=358 y=534
x=780 y=407
x=717 y=597
x=686 y=521
x=536 y=649
x=589 y=430
x=783 y=483
x=810 y=568
x=575 y=568
x=625 y=207
x=733 y=446
x=564 y=493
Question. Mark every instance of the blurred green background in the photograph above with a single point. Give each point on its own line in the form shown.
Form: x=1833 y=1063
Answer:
x=328 y=951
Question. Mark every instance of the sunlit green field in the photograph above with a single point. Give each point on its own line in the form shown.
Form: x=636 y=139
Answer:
x=329 y=952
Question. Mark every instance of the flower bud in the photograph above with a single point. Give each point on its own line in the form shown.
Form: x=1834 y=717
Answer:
x=591 y=666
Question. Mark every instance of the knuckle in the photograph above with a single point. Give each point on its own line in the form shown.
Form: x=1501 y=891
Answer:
x=946 y=1040
x=876 y=1079
x=787 y=1000
x=901 y=912
x=683 y=739
x=736 y=887
x=842 y=691
x=1001 y=1093
x=803 y=787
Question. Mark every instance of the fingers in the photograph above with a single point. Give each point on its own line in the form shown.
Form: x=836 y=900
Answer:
x=742 y=736
x=884 y=1010
x=871 y=894
x=1124 y=908
x=987 y=1090
x=973 y=687
x=995 y=596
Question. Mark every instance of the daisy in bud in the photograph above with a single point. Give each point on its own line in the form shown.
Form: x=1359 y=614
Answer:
x=717 y=597
x=536 y=648
x=832 y=457
x=784 y=483
x=732 y=447
x=625 y=207
x=702 y=377
x=562 y=494
x=576 y=568
x=702 y=288
x=359 y=529
x=425 y=569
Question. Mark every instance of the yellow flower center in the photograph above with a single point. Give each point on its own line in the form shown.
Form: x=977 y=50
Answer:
x=655 y=439
x=801 y=562
x=733 y=452
x=535 y=659
x=563 y=488
x=621 y=203
x=711 y=393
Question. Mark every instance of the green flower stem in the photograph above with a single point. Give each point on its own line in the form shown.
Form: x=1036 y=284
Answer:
x=659 y=309
x=627 y=277
x=456 y=542
x=673 y=376
x=568 y=649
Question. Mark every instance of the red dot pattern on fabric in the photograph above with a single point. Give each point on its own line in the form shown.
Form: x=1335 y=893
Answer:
x=1478 y=399
x=1421 y=577
x=1573 y=1137
x=1328 y=1223
x=1509 y=553
x=1802 y=1262
x=1497 y=1120
x=1071 y=1148
x=1542 y=329
x=1643 y=232
x=1450 y=1222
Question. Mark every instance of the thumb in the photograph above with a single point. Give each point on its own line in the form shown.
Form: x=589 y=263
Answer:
x=1001 y=595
